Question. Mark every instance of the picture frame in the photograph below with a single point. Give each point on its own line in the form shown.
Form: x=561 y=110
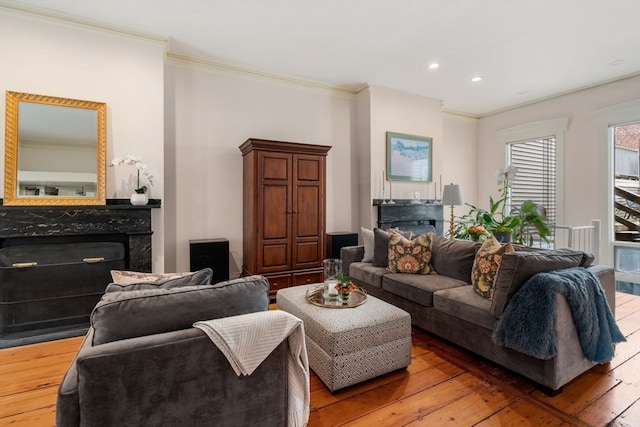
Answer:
x=409 y=157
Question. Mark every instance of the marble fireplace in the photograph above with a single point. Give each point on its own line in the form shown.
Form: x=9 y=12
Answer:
x=55 y=263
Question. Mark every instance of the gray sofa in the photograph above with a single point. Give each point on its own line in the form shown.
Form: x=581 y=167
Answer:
x=142 y=362
x=447 y=305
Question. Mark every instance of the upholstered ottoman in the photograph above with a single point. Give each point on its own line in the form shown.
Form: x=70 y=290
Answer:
x=350 y=345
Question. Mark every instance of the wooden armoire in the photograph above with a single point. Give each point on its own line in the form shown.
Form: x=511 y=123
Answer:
x=284 y=211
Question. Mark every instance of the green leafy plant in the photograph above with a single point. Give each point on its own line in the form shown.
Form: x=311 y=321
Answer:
x=496 y=219
x=345 y=286
x=519 y=221
x=531 y=217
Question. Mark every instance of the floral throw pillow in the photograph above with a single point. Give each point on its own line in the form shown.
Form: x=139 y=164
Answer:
x=410 y=256
x=485 y=266
x=131 y=277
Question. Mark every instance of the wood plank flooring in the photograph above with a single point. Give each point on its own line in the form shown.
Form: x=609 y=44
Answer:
x=444 y=385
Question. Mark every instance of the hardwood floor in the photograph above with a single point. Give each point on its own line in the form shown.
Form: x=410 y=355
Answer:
x=444 y=385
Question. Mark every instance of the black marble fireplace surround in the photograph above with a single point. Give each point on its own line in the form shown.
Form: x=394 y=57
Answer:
x=420 y=217
x=50 y=234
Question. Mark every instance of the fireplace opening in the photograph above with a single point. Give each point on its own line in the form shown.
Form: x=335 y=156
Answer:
x=49 y=286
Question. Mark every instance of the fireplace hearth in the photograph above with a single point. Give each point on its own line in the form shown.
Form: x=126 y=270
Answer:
x=55 y=263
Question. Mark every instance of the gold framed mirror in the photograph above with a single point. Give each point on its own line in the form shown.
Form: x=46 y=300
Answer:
x=55 y=151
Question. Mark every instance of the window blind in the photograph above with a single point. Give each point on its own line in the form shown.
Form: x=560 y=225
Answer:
x=536 y=176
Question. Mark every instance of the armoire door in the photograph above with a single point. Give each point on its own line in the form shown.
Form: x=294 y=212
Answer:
x=275 y=212
x=308 y=211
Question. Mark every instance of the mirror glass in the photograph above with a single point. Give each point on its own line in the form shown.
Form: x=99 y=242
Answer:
x=54 y=151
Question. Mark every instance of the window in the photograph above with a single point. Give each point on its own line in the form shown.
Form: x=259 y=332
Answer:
x=626 y=206
x=536 y=149
x=536 y=176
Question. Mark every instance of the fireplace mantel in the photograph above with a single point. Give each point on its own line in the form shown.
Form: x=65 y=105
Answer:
x=408 y=215
x=56 y=308
x=118 y=219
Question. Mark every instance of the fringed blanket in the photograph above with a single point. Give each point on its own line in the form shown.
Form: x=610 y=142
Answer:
x=527 y=324
x=246 y=340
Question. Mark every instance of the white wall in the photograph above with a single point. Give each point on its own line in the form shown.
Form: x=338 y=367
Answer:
x=209 y=115
x=458 y=158
x=48 y=57
x=586 y=169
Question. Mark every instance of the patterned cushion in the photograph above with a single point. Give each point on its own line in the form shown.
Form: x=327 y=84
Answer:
x=410 y=256
x=134 y=280
x=485 y=266
x=381 y=245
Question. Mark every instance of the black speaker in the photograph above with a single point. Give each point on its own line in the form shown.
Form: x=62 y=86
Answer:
x=338 y=240
x=212 y=253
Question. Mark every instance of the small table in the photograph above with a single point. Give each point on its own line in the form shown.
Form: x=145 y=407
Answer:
x=351 y=345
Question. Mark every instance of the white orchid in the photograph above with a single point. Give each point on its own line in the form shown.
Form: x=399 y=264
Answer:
x=506 y=175
x=130 y=159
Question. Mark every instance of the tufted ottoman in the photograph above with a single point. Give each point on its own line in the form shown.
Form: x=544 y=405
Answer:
x=351 y=345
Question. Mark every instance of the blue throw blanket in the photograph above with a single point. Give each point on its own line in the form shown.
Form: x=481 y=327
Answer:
x=527 y=324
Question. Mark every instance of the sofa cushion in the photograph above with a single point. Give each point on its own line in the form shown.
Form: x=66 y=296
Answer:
x=465 y=304
x=418 y=288
x=517 y=267
x=121 y=315
x=485 y=266
x=366 y=273
x=454 y=257
x=134 y=280
x=381 y=246
x=410 y=256
x=367 y=242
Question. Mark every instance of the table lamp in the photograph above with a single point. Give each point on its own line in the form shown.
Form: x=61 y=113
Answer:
x=451 y=196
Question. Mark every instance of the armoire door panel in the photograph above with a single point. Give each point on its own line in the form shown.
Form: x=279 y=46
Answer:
x=307 y=252
x=275 y=216
x=275 y=167
x=307 y=204
x=275 y=256
x=308 y=169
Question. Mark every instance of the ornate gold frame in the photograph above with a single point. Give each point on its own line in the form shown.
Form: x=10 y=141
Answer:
x=11 y=151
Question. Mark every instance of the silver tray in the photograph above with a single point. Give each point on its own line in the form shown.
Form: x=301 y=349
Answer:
x=315 y=296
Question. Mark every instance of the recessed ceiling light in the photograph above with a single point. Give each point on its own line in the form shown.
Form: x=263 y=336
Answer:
x=433 y=66
x=476 y=79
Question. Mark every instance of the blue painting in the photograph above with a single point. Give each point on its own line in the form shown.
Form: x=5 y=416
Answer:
x=408 y=157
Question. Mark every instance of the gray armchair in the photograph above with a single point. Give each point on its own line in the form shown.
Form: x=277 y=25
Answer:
x=143 y=364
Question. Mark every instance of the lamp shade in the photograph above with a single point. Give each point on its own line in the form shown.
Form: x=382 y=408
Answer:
x=451 y=195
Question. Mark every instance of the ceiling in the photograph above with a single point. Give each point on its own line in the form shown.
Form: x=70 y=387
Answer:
x=525 y=50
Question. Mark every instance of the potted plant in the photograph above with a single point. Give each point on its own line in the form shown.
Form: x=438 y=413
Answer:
x=477 y=232
x=139 y=197
x=344 y=288
x=516 y=222
x=531 y=216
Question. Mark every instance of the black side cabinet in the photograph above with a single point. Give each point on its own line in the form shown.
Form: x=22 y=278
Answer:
x=212 y=253
x=339 y=239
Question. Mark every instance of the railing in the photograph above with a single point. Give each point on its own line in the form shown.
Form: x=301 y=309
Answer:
x=584 y=238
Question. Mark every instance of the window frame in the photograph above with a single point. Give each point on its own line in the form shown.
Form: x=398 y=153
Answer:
x=540 y=130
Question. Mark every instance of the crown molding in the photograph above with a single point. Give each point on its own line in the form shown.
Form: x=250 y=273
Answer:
x=579 y=90
x=203 y=64
x=19 y=9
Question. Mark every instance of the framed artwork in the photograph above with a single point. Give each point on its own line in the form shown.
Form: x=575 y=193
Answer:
x=408 y=157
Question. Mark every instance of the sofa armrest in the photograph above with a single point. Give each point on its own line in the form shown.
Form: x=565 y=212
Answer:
x=349 y=255
x=68 y=401
x=606 y=275
x=175 y=378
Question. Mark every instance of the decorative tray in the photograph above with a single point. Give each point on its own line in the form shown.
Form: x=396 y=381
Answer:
x=315 y=296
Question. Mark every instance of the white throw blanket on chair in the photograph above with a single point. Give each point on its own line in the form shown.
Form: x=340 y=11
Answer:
x=247 y=339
